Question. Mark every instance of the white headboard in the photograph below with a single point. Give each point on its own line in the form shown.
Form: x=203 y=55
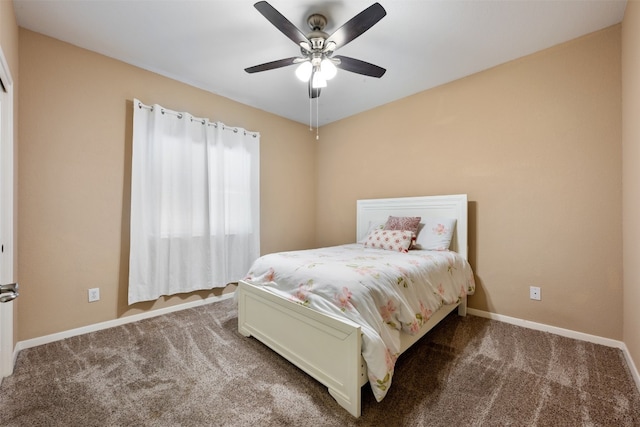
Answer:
x=451 y=206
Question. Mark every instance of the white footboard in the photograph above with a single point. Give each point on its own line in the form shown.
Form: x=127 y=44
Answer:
x=327 y=348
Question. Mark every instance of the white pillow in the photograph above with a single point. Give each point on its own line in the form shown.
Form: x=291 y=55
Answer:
x=435 y=234
x=373 y=225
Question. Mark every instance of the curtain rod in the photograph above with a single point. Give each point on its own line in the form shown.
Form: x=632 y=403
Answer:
x=197 y=119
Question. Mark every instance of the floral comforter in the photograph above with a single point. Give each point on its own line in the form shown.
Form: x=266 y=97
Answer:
x=383 y=291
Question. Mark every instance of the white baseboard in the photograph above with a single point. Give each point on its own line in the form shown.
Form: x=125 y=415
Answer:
x=565 y=333
x=632 y=365
x=34 y=342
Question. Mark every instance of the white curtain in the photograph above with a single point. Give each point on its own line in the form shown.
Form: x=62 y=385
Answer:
x=195 y=218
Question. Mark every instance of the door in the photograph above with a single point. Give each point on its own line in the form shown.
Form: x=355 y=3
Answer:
x=6 y=218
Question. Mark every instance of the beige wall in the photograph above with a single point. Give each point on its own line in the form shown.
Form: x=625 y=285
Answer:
x=631 y=175
x=9 y=43
x=535 y=143
x=74 y=178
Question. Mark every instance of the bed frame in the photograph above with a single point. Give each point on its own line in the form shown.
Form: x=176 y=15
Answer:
x=332 y=351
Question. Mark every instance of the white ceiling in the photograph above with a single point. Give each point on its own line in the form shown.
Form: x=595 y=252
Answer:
x=421 y=43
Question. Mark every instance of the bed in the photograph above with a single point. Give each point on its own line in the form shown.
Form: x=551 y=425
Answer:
x=333 y=345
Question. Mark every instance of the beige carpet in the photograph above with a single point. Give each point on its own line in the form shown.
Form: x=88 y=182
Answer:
x=192 y=368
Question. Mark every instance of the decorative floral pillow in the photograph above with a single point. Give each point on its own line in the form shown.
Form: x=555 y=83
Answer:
x=435 y=234
x=391 y=240
x=410 y=223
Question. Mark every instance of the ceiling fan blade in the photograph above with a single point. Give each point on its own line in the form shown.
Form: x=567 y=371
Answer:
x=280 y=22
x=359 y=67
x=357 y=25
x=272 y=65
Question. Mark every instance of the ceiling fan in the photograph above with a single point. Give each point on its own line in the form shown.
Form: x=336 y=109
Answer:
x=317 y=64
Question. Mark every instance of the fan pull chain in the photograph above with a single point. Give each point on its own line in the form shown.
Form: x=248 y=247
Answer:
x=311 y=116
x=310 y=104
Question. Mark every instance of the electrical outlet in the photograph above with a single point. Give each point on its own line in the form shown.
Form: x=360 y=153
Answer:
x=94 y=294
x=534 y=293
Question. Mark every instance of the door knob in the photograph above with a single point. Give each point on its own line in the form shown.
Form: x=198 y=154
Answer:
x=8 y=292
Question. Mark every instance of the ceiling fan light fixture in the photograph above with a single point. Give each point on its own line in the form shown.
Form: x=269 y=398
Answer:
x=328 y=69
x=318 y=80
x=329 y=47
x=304 y=70
x=305 y=46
